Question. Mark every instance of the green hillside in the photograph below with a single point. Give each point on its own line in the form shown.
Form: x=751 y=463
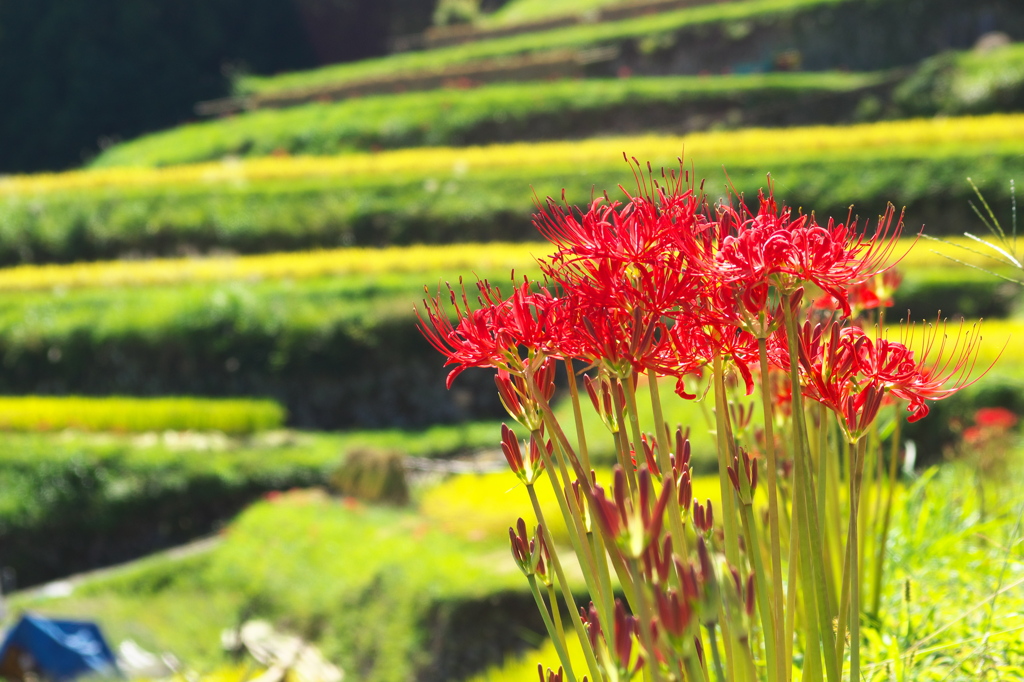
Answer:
x=204 y=317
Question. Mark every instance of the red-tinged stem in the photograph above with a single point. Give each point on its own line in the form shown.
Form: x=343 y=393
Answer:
x=646 y=614
x=577 y=412
x=729 y=516
x=675 y=515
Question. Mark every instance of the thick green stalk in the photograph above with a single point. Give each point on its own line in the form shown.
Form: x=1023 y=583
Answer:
x=634 y=420
x=570 y=602
x=577 y=413
x=804 y=492
x=556 y=614
x=573 y=517
x=607 y=608
x=791 y=582
x=545 y=614
x=822 y=481
x=812 y=639
x=771 y=638
x=855 y=486
x=778 y=596
x=732 y=546
x=876 y=593
x=715 y=656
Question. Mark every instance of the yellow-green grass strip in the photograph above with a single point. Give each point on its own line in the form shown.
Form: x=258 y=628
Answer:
x=428 y=259
x=916 y=138
x=125 y=414
x=451 y=259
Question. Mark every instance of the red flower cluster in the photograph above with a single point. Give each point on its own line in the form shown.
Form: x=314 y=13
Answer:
x=663 y=284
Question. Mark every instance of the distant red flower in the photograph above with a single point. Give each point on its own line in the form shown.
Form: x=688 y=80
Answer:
x=876 y=292
x=995 y=418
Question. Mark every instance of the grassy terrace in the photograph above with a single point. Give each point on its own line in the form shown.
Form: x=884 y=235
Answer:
x=440 y=195
x=519 y=11
x=574 y=37
x=889 y=140
x=454 y=117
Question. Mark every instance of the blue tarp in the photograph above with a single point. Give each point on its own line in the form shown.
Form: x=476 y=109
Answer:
x=61 y=649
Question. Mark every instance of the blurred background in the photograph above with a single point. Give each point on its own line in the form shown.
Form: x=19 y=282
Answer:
x=217 y=216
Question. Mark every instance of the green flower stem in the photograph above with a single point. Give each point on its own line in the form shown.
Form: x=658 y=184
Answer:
x=675 y=513
x=823 y=492
x=768 y=619
x=810 y=530
x=556 y=614
x=748 y=660
x=634 y=419
x=791 y=582
x=607 y=595
x=577 y=412
x=855 y=486
x=729 y=515
x=623 y=443
x=570 y=602
x=694 y=670
x=715 y=656
x=778 y=597
x=809 y=596
x=844 y=604
x=876 y=593
x=545 y=614
x=573 y=517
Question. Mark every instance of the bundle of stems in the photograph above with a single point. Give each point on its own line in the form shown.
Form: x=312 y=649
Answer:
x=773 y=581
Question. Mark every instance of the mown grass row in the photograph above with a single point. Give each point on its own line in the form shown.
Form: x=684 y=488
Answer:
x=333 y=351
x=493 y=113
x=882 y=141
x=573 y=37
x=487 y=193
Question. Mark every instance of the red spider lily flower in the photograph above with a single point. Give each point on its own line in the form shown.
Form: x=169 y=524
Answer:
x=492 y=335
x=942 y=369
x=638 y=232
x=850 y=372
x=777 y=248
x=876 y=292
